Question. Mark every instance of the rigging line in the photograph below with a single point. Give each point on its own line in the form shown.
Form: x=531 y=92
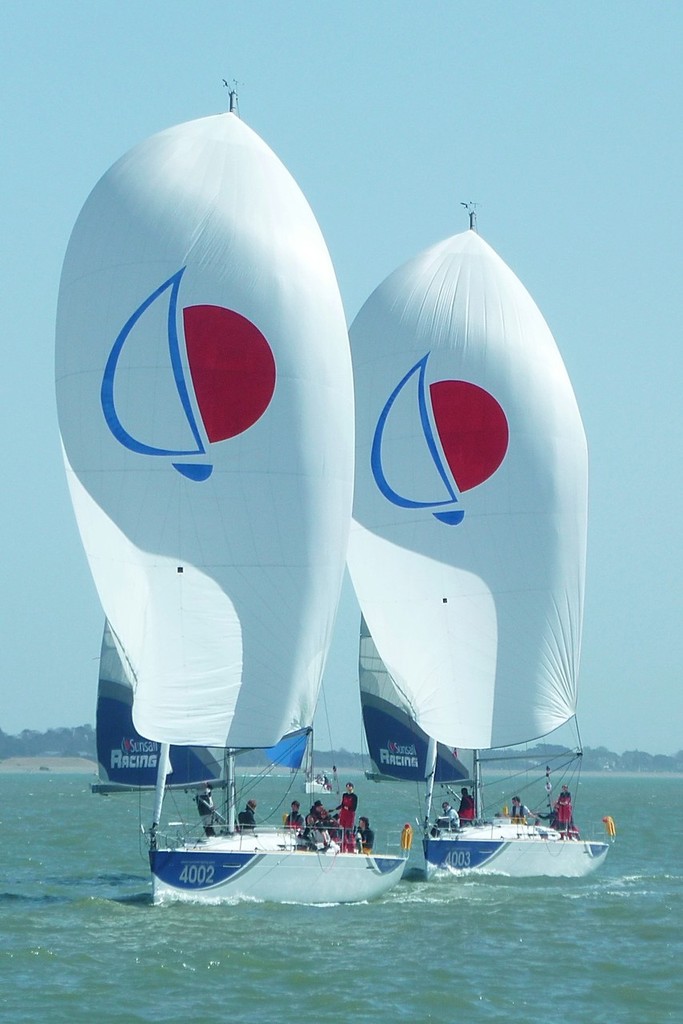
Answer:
x=578 y=733
x=327 y=717
x=329 y=736
x=251 y=786
x=283 y=799
x=142 y=843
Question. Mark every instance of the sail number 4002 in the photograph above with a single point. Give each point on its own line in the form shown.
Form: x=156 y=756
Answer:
x=197 y=874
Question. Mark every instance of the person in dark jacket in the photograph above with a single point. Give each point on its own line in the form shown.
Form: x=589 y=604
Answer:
x=207 y=809
x=318 y=811
x=295 y=818
x=366 y=836
x=247 y=818
x=520 y=812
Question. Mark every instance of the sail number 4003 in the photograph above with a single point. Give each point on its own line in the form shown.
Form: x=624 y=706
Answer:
x=197 y=874
x=458 y=859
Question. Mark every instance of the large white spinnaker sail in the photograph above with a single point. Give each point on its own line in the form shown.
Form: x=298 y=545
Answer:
x=467 y=550
x=205 y=406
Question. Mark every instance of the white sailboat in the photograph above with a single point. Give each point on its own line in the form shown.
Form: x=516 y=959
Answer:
x=467 y=549
x=315 y=781
x=205 y=405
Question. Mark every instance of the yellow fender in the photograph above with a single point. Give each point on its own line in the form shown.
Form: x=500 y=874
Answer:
x=406 y=837
x=610 y=827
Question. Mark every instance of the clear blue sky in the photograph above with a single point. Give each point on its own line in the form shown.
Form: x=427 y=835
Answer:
x=561 y=121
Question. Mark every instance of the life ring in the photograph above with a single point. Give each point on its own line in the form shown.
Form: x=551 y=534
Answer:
x=610 y=827
x=406 y=837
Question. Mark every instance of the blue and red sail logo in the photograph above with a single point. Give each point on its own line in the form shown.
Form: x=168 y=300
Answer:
x=134 y=752
x=231 y=376
x=399 y=755
x=137 y=745
x=466 y=434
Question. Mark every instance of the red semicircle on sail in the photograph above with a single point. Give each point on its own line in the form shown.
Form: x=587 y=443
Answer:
x=472 y=428
x=232 y=368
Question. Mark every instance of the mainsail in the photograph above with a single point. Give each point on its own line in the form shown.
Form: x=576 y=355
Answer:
x=467 y=550
x=398 y=747
x=205 y=405
x=126 y=760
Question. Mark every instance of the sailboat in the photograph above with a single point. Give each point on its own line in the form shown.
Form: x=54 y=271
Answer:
x=205 y=403
x=314 y=781
x=468 y=542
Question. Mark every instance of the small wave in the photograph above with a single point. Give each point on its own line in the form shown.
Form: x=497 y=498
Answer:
x=86 y=882
x=134 y=899
x=17 y=898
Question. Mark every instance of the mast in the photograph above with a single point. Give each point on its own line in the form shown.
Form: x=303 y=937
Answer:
x=232 y=93
x=472 y=211
x=478 y=788
x=231 y=789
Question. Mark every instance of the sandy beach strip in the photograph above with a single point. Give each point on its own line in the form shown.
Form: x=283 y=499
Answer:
x=72 y=765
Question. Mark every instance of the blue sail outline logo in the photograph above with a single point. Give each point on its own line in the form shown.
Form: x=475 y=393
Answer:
x=193 y=471
x=452 y=517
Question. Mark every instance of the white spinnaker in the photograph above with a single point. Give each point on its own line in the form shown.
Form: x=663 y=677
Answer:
x=479 y=623
x=223 y=591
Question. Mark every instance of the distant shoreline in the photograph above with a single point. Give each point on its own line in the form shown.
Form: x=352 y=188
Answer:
x=63 y=765
x=83 y=766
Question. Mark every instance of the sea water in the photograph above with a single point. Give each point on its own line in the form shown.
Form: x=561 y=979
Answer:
x=80 y=940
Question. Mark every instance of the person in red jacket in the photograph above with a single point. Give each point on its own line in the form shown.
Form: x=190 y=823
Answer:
x=563 y=810
x=466 y=809
x=347 y=817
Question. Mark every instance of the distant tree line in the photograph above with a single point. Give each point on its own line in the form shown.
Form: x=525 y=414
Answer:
x=594 y=759
x=80 y=742
x=76 y=742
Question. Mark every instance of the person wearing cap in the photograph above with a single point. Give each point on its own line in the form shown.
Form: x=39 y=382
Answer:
x=449 y=817
x=317 y=811
x=295 y=818
x=347 y=817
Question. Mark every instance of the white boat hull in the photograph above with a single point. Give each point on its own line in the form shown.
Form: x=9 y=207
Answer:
x=267 y=866
x=518 y=851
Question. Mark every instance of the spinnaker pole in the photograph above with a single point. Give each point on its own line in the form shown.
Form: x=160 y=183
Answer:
x=430 y=772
